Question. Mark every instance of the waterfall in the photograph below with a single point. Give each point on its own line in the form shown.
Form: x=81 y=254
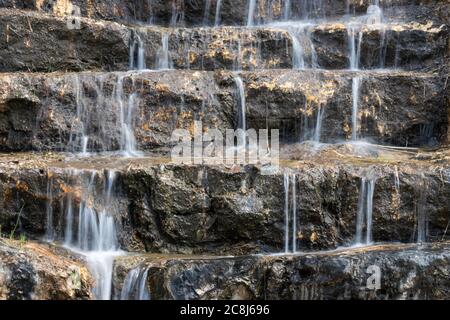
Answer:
x=286 y=212
x=318 y=129
x=397 y=180
x=287 y=9
x=294 y=215
x=290 y=212
x=251 y=13
x=374 y=16
x=91 y=120
x=95 y=235
x=355 y=40
x=298 y=61
x=68 y=232
x=365 y=211
x=206 y=13
x=50 y=233
x=137 y=53
x=421 y=214
x=217 y=18
x=356 y=81
x=81 y=135
x=84 y=145
x=177 y=15
x=163 y=61
x=304 y=54
x=311 y=8
x=383 y=47
x=126 y=110
x=237 y=63
x=135 y=285
x=240 y=95
x=314 y=60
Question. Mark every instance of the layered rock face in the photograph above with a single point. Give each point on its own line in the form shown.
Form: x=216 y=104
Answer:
x=392 y=106
x=92 y=206
x=406 y=272
x=39 y=272
x=201 y=209
x=92 y=45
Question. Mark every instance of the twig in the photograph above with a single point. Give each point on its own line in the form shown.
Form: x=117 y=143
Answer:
x=445 y=232
x=11 y=236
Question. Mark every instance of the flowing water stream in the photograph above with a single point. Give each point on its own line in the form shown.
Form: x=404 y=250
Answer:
x=290 y=212
x=90 y=207
x=135 y=285
x=364 y=217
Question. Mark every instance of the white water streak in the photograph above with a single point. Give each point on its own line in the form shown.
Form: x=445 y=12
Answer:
x=356 y=81
x=251 y=13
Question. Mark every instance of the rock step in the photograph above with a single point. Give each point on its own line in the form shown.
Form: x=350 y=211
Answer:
x=403 y=272
x=232 y=12
x=55 y=111
x=34 y=271
x=32 y=41
x=161 y=207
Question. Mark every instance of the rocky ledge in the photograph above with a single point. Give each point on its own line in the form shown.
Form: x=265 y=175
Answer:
x=161 y=207
x=406 y=272
x=231 y=12
x=52 y=111
x=30 y=270
x=25 y=38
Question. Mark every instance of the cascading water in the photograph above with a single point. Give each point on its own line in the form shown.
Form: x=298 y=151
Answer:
x=356 y=82
x=421 y=214
x=311 y=8
x=286 y=212
x=287 y=10
x=92 y=232
x=251 y=13
x=135 y=285
x=364 y=216
x=80 y=137
x=240 y=95
x=217 y=17
x=92 y=122
x=126 y=110
x=311 y=122
x=397 y=180
x=96 y=236
x=137 y=53
x=290 y=213
x=237 y=63
x=355 y=38
x=294 y=214
x=374 y=16
x=303 y=51
x=318 y=129
x=298 y=61
x=163 y=57
x=49 y=234
x=206 y=13
x=177 y=15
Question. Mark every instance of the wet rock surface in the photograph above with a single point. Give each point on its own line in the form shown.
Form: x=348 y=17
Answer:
x=406 y=272
x=48 y=112
x=25 y=39
x=32 y=271
x=231 y=12
x=358 y=209
x=196 y=209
